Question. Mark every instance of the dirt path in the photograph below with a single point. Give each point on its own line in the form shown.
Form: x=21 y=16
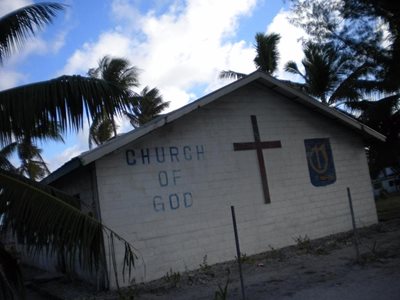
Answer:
x=322 y=269
x=319 y=269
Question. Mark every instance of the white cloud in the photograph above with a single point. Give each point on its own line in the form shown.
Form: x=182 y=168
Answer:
x=290 y=47
x=184 y=47
x=109 y=43
x=10 y=78
x=56 y=161
x=8 y=6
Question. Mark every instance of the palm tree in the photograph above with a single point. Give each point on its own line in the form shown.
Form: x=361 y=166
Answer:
x=329 y=75
x=145 y=106
x=101 y=130
x=118 y=71
x=38 y=214
x=32 y=164
x=267 y=55
x=382 y=115
x=5 y=155
x=338 y=79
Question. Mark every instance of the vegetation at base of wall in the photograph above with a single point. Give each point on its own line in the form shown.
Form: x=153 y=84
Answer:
x=204 y=266
x=303 y=243
x=244 y=258
x=128 y=293
x=173 y=278
x=274 y=253
x=222 y=292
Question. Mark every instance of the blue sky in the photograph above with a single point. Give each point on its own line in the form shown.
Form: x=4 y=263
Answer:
x=179 y=46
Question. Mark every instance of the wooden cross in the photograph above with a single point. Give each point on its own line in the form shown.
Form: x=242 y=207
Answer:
x=259 y=146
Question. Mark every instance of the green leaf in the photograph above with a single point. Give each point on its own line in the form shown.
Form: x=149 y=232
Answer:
x=231 y=75
x=48 y=219
x=21 y=24
x=65 y=101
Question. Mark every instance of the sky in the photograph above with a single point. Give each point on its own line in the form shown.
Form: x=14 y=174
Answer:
x=180 y=47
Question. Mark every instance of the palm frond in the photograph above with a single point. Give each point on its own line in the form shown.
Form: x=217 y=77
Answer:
x=231 y=75
x=146 y=106
x=21 y=24
x=380 y=109
x=132 y=119
x=49 y=221
x=66 y=101
x=101 y=130
x=116 y=70
x=347 y=88
x=267 y=56
x=5 y=155
x=292 y=67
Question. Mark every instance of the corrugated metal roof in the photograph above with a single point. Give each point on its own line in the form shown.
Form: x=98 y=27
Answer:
x=256 y=77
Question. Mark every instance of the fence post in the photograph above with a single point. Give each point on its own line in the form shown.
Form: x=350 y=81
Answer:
x=355 y=238
x=238 y=250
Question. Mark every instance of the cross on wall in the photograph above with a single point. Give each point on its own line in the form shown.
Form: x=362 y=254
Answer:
x=258 y=145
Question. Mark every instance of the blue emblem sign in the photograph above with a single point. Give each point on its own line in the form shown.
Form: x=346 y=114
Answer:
x=320 y=161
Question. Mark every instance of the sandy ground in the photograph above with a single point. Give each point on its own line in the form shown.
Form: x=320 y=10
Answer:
x=320 y=269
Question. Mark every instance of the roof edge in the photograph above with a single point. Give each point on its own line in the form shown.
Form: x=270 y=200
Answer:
x=291 y=93
x=66 y=168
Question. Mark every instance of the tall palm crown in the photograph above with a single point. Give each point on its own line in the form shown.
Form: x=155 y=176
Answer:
x=32 y=210
x=146 y=106
x=120 y=72
x=116 y=70
x=19 y=25
x=267 y=55
x=328 y=74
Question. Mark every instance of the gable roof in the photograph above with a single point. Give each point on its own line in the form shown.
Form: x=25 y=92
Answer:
x=257 y=77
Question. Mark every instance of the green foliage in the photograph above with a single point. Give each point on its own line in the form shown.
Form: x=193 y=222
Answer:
x=303 y=243
x=204 y=266
x=120 y=73
x=128 y=293
x=173 y=278
x=222 y=292
x=267 y=56
x=274 y=253
x=367 y=33
x=101 y=130
x=244 y=258
x=329 y=74
x=47 y=219
x=21 y=24
x=117 y=71
x=47 y=105
x=145 y=106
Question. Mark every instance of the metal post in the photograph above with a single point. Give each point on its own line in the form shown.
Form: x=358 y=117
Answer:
x=354 y=225
x=238 y=250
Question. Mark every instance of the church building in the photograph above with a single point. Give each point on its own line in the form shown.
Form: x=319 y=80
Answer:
x=283 y=159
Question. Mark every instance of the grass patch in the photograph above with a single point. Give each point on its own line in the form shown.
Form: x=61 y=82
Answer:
x=388 y=208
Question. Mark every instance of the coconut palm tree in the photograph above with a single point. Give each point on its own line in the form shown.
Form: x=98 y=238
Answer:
x=101 y=130
x=32 y=210
x=267 y=55
x=145 y=106
x=383 y=115
x=329 y=75
x=120 y=72
x=32 y=164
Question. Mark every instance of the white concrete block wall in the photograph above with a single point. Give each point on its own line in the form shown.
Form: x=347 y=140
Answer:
x=179 y=239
